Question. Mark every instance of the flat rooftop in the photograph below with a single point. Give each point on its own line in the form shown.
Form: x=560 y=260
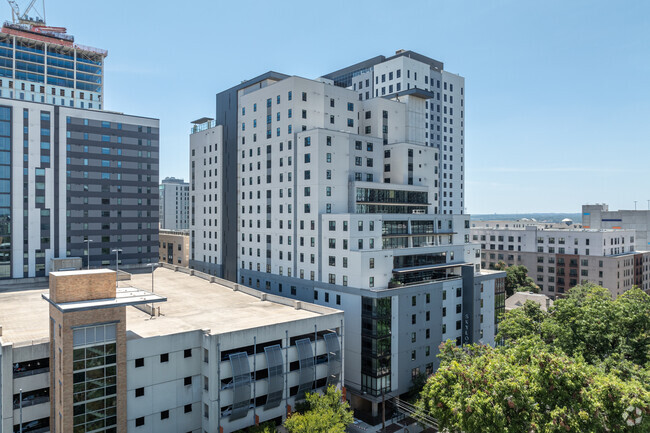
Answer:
x=192 y=303
x=195 y=303
x=24 y=316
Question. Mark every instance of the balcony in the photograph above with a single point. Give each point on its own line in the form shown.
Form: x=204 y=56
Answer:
x=423 y=275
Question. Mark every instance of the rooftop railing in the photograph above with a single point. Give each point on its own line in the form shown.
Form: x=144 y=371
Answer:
x=203 y=126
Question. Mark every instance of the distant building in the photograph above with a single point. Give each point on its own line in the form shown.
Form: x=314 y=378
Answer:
x=194 y=366
x=525 y=222
x=174 y=204
x=174 y=247
x=519 y=299
x=598 y=216
x=560 y=258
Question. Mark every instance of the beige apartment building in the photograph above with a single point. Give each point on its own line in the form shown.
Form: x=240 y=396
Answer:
x=174 y=246
x=560 y=258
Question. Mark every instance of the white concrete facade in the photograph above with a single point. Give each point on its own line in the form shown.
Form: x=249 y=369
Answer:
x=339 y=203
x=206 y=197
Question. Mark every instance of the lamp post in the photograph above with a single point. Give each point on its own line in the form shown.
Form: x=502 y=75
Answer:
x=88 y=241
x=153 y=268
x=21 y=410
x=117 y=268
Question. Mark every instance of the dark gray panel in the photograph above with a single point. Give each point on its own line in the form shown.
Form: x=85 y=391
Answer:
x=241 y=377
x=333 y=358
x=276 y=376
x=306 y=362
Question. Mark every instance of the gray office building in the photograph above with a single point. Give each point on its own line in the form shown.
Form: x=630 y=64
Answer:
x=72 y=178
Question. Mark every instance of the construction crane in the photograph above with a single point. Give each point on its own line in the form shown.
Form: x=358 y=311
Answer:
x=24 y=18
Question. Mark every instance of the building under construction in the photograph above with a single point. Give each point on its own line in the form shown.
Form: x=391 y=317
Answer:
x=39 y=63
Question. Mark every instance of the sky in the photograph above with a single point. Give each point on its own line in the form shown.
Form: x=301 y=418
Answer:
x=557 y=93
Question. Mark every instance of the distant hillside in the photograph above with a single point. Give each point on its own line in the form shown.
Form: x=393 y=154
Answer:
x=542 y=217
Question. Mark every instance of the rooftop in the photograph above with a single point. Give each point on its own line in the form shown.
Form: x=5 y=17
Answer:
x=192 y=303
x=518 y=299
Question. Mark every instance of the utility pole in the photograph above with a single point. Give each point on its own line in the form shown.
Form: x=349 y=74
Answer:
x=634 y=204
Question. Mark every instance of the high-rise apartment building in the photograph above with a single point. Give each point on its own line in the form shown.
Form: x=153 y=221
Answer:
x=558 y=259
x=72 y=176
x=339 y=202
x=174 y=204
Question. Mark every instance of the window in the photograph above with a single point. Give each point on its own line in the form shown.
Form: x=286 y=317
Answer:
x=164 y=357
x=139 y=362
x=139 y=422
x=164 y=414
x=187 y=408
x=139 y=392
x=187 y=381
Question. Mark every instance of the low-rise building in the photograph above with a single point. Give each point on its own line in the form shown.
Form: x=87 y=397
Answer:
x=518 y=299
x=90 y=357
x=174 y=247
x=558 y=259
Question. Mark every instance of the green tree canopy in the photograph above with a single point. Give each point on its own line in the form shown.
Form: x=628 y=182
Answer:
x=530 y=387
x=321 y=413
x=517 y=279
x=588 y=323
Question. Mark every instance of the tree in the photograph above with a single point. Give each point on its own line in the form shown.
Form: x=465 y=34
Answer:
x=321 y=413
x=588 y=323
x=517 y=279
x=530 y=387
x=267 y=427
x=522 y=322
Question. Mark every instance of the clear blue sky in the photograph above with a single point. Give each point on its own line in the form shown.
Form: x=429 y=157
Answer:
x=558 y=98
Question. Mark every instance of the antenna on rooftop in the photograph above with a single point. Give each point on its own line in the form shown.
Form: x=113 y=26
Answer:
x=23 y=17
